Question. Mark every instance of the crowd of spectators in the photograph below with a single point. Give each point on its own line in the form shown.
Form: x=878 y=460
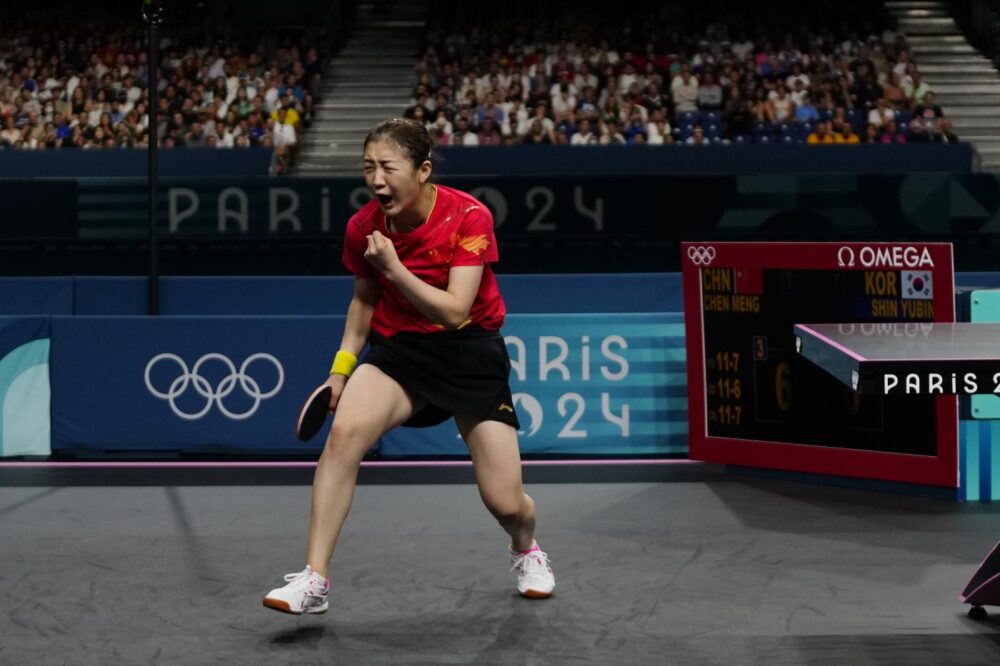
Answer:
x=82 y=84
x=694 y=73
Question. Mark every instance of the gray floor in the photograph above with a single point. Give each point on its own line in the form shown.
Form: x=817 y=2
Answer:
x=722 y=570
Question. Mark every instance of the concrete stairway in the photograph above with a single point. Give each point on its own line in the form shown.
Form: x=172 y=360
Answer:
x=370 y=79
x=966 y=83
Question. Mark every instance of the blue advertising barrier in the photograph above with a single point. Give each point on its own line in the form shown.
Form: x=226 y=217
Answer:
x=194 y=384
x=205 y=373
x=584 y=384
x=24 y=386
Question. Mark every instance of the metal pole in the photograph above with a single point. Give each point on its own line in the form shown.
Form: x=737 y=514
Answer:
x=152 y=13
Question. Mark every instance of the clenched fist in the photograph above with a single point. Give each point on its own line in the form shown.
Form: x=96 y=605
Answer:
x=381 y=253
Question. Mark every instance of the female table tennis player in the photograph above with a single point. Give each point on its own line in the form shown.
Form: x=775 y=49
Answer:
x=426 y=299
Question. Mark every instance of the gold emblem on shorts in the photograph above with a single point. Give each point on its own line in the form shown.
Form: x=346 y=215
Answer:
x=504 y=406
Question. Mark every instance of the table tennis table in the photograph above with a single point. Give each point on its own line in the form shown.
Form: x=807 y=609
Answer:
x=915 y=359
x=906 y=358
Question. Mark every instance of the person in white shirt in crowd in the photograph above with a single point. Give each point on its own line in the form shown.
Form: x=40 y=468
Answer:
x=611 y=134
x=564 y=85
x=520 y=78
x=463 y=136
x=627 y=78
x=442 y=124
x=272 y=98
x=703 y=57
x=541 y=116
x=585 y=78
x=515 y=118
x=659 y=131
x=284 y=132
x=799 y=92
x=684 y=90
x=584 y=136
x=469 y=84
x=742 y=47
x=216 y=69
x=563 y=96
x=797 y=75
x=881 y=114
x=610 y=54
x=784 y=107
x=902 y=64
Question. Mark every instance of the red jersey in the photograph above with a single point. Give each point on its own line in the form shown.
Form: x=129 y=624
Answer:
x=458 y=232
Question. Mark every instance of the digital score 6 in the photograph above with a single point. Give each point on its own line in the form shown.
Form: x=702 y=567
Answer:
x=754 y=401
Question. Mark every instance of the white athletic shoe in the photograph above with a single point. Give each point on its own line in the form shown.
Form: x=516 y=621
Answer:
x=305 y=593
x=534 y=574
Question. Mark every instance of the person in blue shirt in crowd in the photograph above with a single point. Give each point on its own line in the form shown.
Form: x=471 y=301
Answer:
x=806 y=112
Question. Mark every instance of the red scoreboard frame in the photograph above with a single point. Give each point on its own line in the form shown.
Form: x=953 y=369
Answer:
x=939 y=470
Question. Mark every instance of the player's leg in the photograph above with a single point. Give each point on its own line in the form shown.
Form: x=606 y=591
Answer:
x=496 y=460
x=372 y=404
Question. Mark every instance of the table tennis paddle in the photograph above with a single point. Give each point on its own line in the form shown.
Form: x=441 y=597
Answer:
x=314 y=413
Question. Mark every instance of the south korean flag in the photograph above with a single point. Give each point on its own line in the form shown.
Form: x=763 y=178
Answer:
x=917 y=284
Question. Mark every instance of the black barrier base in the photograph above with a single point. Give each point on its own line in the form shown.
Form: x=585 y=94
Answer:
x=287 y=473
x=874 y=485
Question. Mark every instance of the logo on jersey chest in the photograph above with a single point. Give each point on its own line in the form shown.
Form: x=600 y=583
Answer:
x=474 y=244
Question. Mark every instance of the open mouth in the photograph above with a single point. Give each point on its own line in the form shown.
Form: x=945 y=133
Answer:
x=384 y=200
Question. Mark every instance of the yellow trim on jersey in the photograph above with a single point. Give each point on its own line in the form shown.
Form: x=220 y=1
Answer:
x=433 y=204
x=462 y=325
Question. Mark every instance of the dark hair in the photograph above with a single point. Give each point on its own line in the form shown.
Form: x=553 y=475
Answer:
x=410 y=136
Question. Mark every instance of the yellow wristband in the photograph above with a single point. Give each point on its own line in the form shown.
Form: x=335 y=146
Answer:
x=343 y=363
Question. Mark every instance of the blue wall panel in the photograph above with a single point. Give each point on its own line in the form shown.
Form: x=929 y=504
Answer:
x=187 y=162
x=36 y=296
x=688 y=160
x=637 y=292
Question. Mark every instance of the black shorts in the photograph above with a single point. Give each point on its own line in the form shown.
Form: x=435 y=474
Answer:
x=463 y=372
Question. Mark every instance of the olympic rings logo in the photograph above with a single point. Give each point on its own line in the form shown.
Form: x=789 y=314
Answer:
x=701 y=256
x=214 y=395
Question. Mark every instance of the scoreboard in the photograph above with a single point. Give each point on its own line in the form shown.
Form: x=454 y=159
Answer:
x=753 y=400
